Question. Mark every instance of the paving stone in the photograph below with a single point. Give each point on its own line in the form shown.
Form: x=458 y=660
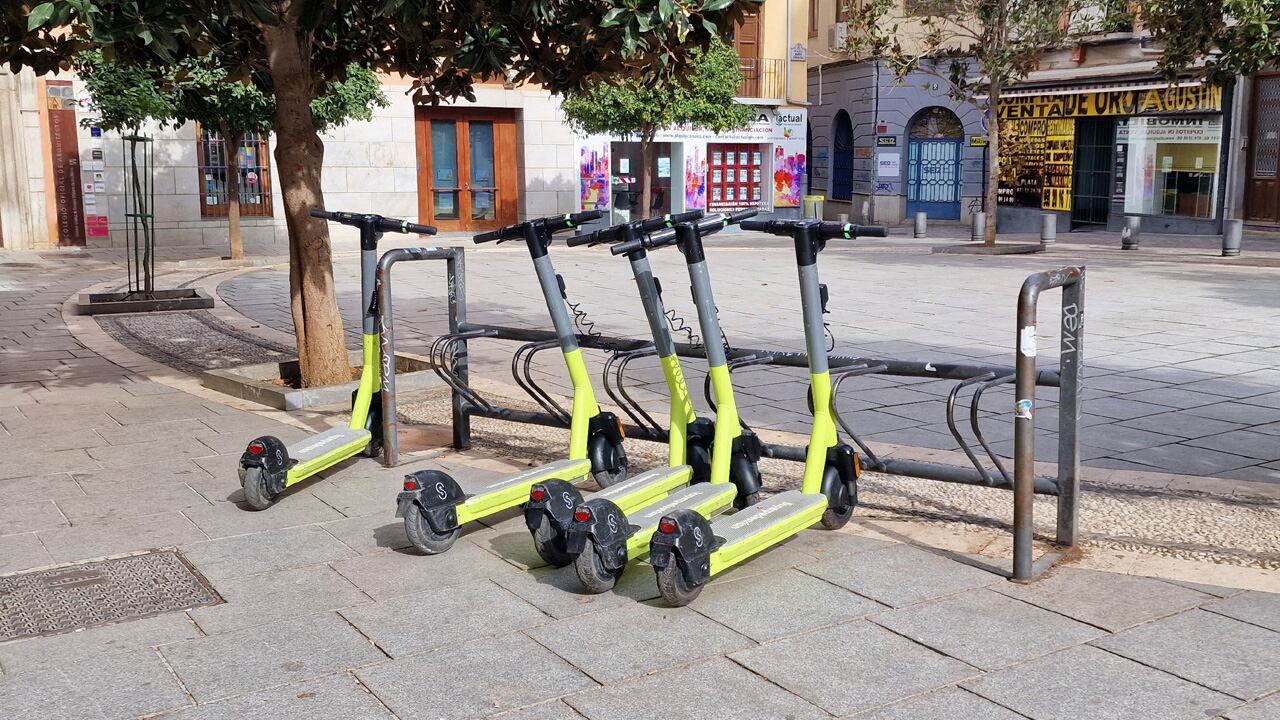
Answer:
x=1187 y=460
x=117 y=506
x=151 y=432
x=162 y=409
x=1240 y=442
x=826 y=544
x=1110 y=601
x=478 y=680
x=274 y=596
x=1215 y=651
x=111 y=537
x=875 y=667
x=459 y=614
x=1267 y=708
x=119 y=686
x=393 y=574
x=558 y=592
x=986 y=629
x=1122 y=439
x=1238 y=412
x=22 y=552
x=57 y=651
x=244 y=555
x=654 y=638
x=68 y=439
x=771 y=605
x=43 y=487
x=240 y=662
x=224 y=519
x=29 y=517
x=900 y=575
x=139 y=477
x=1259 y=608
x=336 y=697
x=1182 y=424
x=1121 y=409
x=554 y=710
x=1085 y=683
x=715 y=688
x=946 y=704
x=370 y=534
x=35 y=462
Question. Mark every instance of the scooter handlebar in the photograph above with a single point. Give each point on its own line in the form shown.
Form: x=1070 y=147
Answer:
x=823 y=230
x=554 y=223
x=380 y=223
x=667 y=236
x=648 y=225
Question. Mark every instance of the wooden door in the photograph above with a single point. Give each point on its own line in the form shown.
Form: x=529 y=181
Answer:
x=466 y=168
x=1262 y=180
x=746 y=41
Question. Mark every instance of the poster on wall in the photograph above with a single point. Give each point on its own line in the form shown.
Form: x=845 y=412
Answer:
x=1023 y=144
x=593 y=174
x=695 y=178
x=888 y=165
x=1060 y=142
x=789 y=161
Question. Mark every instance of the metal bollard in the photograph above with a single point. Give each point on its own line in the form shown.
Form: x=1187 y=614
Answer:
x=1131 y=233
x=1048 y=228
x=922 y=225
x=979 y=227
x=1231 y=236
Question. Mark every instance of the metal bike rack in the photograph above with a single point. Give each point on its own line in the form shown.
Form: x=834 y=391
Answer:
x=449 y=354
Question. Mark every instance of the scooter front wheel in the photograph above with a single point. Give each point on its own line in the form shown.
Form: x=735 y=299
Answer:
x=424 y=537
x=675 y=589
x=594 y=576
x=836 y=518
x=550 y=545
x=255 y=489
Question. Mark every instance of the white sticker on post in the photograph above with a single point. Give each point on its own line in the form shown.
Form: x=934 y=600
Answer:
x=1027 y=341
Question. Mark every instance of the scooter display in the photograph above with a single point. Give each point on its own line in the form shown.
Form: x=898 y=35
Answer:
x=688 y=549
x=434 y=505
x=606 y=535
x=269 y=465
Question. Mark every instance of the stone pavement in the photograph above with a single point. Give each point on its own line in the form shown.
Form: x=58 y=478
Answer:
x=1182 y=350
x=327 y=615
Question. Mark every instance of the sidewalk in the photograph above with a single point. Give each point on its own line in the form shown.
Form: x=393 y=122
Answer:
x=326 y=614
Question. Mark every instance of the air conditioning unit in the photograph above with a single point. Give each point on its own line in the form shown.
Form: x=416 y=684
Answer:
x=838 y=36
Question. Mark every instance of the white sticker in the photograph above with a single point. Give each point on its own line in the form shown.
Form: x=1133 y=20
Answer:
x=1027 y=341
x=1022 y=409
x=928 y=367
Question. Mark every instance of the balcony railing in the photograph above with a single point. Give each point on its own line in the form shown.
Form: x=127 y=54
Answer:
x=764 y=78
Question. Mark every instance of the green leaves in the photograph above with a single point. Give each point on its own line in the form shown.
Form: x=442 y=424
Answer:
x=40 y=14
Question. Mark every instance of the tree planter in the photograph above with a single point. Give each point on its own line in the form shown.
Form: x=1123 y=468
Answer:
x=262 y=383
x=134 y=302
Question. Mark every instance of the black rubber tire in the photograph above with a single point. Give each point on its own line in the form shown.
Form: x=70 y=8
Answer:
x=617 y=455
x=674 y=588
x=592 y=573
x=698 y=457
x=423 y=537
x=742 y=502
x=373 y=449
x=550 y=545
x=836 y=518
x=256 y=494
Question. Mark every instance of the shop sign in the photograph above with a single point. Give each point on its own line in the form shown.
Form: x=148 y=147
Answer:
x=887 y=141
x=978 y=141
x=1195 y=99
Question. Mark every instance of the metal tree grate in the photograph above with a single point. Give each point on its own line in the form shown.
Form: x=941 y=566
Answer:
x=73 y=597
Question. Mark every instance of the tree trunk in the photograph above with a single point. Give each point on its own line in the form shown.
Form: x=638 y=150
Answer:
x=646 y=174
x=993 y=163
x=231 y=143
x=317 y=324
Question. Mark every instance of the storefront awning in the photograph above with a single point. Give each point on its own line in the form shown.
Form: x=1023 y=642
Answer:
x=1085 y=80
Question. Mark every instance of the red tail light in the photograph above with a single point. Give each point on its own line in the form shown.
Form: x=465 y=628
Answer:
x=537 y=493
x=666 y=526
x=257 y=448
x=410 y=484
x=582 y=514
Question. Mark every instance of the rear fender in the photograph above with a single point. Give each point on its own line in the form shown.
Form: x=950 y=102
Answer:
x=607 y=526
x=274 y=461
x=690 y=546
x=436 y=495
x=556 y=508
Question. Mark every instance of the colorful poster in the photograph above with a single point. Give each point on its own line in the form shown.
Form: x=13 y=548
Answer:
x=695 y=179
x=593 y=174
x=789 y=160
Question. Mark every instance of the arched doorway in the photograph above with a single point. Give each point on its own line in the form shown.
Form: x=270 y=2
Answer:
x=842 y=158
x=934 y=146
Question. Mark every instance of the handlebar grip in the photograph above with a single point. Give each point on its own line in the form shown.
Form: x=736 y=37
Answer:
x=666 y=221
x=756 y=225
x=491 y=235
x=586 y=216
x=569 y=220
x=419 y=229
x=850 y=231
x=627 y=247
x=589 y=239
x=738 y=217
x=323 y=214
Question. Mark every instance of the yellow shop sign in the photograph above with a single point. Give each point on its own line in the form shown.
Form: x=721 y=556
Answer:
x=1199 y=98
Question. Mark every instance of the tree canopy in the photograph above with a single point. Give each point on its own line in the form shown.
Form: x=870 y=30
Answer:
x=1227 y=37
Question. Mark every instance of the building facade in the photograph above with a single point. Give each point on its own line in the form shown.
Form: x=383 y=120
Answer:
x=763 y=166
x=461 y=166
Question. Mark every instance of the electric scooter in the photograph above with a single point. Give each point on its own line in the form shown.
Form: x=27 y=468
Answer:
x=268 y=465
x=688 y=550
x=604 y=534
x=434 y=505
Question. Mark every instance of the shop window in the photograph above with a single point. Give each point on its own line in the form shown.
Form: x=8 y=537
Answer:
x=255 y=174
x=813 y=18
x=842 y=158
x=734 y=176
x=1170 y=164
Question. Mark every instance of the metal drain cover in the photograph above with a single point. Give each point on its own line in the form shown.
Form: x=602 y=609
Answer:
x=72 y=597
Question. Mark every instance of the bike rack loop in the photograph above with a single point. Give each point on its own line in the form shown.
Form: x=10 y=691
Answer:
x=385 y=328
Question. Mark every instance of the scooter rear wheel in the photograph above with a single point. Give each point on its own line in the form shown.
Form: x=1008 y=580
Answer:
x=550 y=545
x=256 y=493
x=594 y=576
x=677 y=591
x=424 y=537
